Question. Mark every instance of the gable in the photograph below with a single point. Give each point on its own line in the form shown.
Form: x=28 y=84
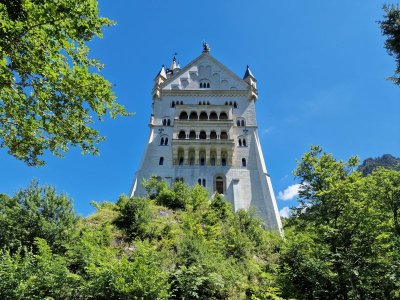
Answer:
x=205 y=73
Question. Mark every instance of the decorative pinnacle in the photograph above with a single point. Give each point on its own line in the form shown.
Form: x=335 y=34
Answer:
x=206 y=47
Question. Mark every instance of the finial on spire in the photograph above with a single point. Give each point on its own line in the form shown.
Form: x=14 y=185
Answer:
x=248 y=72
x=206 y=47
x=162 y=72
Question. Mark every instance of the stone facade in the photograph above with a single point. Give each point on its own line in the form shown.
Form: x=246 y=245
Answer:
x=203 y=130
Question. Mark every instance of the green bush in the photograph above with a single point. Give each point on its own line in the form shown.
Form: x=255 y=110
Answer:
x=135 y=215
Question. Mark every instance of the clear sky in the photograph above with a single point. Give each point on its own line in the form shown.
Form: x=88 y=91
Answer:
x=320 y=69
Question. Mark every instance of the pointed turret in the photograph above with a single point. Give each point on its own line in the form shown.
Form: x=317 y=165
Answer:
x=162 y=73
x=158 y=81
x=249 y=78
x=248 y=73
x=173 y=68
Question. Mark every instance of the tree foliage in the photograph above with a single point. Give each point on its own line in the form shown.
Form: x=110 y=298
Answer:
x=390 y=27
x=343 y=239
x=342 y=242
x=36 y=212
x=48 y=90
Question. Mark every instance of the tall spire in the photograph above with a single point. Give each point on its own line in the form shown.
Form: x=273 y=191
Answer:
x=173 y=64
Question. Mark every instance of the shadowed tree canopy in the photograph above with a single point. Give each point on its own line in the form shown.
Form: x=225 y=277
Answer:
x=390 y=27
x=49 y=87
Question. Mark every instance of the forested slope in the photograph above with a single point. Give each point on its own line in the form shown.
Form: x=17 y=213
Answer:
x=341 y=242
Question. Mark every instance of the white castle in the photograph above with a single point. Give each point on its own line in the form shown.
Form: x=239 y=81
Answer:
x=203 y=130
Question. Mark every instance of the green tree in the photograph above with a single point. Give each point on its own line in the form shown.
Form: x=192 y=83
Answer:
x=36 y=212
x=342 y=241
x=135 y=215
x=390 y=27
x=41 y=275
x=48 y=92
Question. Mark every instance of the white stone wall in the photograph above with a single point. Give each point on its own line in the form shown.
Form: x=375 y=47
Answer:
x=245 y=186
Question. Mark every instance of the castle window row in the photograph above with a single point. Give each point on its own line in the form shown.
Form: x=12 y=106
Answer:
x=202 y=181
x=233 y=103
x=242 y=142
x=202 y=162
x=204 y=103
x=219 y=183
x=193 y=157
x=166 y=122
x=204 y=85
x=240 y=122
x=164 y=141
x=174 y=103
x=203 y=116
x=202 y=135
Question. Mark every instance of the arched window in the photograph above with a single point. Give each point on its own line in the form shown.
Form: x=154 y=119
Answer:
x=173 y=104
x=169 y=122
x=208 y=102
x=164 y=122
x=223 y=161
x=213 y=135
x=219 y=185
x=224 y=135
x=226 y=103
x=235 y=105
x=203 y=116
x=199 y=102
x=182 y=135
x=181 y=161
x=204 y=182
x=230 y=103
x=202 y=156
x=212 y=159
x=166 y=142
x=240 y=142
x=242 y=122
x=203 y=135
x=244 y=162
x=191 y=157
x=208 y=85
x=223 y=116
x=238 y=123
x=201 y=85
x=192 y=135
x=213 y=116
x=162 y=142
x=181 y=102
x=244 y=143
x=193 y=115
x=161 y=162
x=199 y=181
x=183 y=116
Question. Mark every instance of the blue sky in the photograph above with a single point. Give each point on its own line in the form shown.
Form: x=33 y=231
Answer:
x=320 y=69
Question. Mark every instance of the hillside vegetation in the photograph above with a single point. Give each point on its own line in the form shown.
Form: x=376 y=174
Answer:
x=341 y=242
x=386 y=161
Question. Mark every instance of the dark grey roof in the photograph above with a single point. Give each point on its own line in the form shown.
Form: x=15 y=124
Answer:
x=248 y=73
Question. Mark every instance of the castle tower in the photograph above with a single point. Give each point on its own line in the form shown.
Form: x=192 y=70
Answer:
x=203 y=130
